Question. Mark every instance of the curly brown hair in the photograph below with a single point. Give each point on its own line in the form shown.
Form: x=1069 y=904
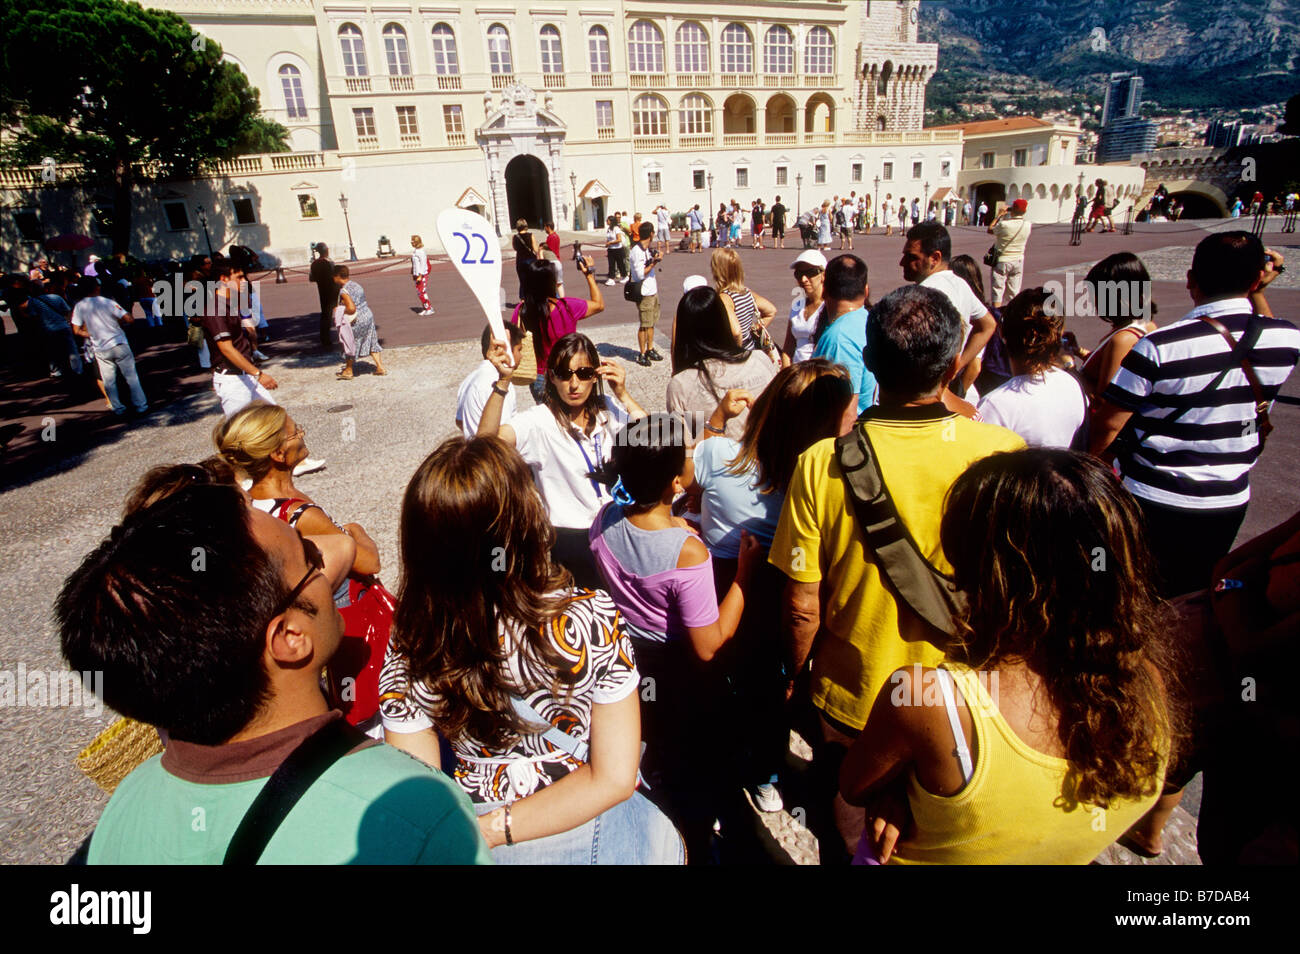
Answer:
x=1051 y=552
x=1032 y=327
x=475 y=542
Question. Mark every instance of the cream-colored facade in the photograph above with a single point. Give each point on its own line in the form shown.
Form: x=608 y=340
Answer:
x=564 y=111
x=1032 y=159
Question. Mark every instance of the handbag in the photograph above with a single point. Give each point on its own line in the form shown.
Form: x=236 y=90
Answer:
x=526 y=369
x=117 y=751
x=991 y=256
x=352 y=674
x=194 y=335
x=632 y=292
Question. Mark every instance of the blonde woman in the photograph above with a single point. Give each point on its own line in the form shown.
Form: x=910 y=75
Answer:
x=264 y=445
x=420 y=274
x=745 y=308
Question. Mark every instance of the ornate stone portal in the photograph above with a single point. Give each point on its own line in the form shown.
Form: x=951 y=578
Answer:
x=516 y=128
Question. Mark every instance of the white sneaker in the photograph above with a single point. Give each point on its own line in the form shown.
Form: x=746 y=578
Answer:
x=259 y=356
x=623 y=280
x=309 y=466
x=426 y=313
x=609 y=281
x=767 y=798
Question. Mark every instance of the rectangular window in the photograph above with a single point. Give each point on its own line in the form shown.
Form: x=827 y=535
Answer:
x=307 y=206
x=742 y=178
x=945 y=168
x=1020 y=157
x=452 y=120
x=855 y=172
x=365 y=120
x=887 y=172
x=697 y=178
x=604 y=114
x=781 y=172
x=406 y=124
x=986 y=160
x=245 y=214
x=101 y=221
x=653 y=183
x=29 y=224
x=819 y=174
x=916 y=170
x=178 y=216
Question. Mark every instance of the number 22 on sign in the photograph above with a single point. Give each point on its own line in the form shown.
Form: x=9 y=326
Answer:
x=471 y=242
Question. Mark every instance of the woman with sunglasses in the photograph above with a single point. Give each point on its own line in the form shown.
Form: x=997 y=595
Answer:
x=263 y=444
x=805 y=308
x=567 y=438
x=548 y=315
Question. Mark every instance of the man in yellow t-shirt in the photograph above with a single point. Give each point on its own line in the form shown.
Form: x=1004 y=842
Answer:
x=837 y=593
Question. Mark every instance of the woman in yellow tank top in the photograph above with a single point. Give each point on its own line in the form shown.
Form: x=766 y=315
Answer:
x=1046 y=732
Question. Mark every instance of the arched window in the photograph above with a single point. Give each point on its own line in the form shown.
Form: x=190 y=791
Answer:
x=354 y=51
x=819 y=51
x=737 y=49
x=778 y=51
x=291 y=85
x=598 y=49
x=645 y=48
x=882 y=81
x=499 y=59
x=445 y=61
x=696 y=114
x=552 y=55
x=395 y=51
x=649 y=115
x=691 y=51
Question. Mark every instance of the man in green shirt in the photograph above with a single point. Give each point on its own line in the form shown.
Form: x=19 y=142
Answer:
x=211 y=620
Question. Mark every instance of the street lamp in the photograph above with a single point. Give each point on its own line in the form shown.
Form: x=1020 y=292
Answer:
x=352 y=251
x=573 y=181
x=798 y=193
x=492 y=188
x=203 y=221
x=710 y=177
x=875 y=209
x=926 y=210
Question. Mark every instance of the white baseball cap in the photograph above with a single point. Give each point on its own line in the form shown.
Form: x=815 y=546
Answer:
x=693 y=281
x=811 y=257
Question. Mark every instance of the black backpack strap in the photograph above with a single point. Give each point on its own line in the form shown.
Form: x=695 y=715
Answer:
x=931 y=594
x=305 y=764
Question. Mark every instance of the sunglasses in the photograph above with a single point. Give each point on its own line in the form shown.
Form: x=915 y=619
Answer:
x=315 y=564
x=801 y=274
x=583 y=374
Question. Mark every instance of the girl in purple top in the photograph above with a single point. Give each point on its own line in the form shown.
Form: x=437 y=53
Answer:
x=549 y=317
x=660 y=576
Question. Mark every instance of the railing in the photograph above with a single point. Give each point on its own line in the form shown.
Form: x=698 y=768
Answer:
x=235 y=167
x=697 y=141
x=651 y=143
x=356 y=84
x=367 y=143
x=409 y=140
x=824 y=80
x=401 y=84
x=602 y=79
x=553 y=80
x=25 y=178
x=282 y=162
x=449 y=81
x=502 y=80
x=818 y=138
x=781 y=139
x=733 y=80
x=647 y=80
x=455 y=139
x=692 y=80
x=605 y=132
x=739 y=139
x=775 y=81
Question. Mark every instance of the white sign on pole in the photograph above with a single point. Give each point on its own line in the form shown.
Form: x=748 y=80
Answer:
x=475 y=250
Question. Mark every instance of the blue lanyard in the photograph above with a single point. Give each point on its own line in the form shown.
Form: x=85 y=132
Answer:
x=595 y=484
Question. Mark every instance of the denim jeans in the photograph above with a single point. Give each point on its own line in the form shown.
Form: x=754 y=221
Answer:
x=120 y=359
x=633 y=832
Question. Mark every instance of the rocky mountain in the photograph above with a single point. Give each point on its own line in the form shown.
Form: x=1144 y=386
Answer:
x=1192 y=54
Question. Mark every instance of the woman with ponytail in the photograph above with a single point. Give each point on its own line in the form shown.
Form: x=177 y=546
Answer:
x=1046 y=732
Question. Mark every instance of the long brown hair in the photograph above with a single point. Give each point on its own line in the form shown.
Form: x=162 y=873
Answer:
x=1051 y=553
x=801 y=405
x=475 y=542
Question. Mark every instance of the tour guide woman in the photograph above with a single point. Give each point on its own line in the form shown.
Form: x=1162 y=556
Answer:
x=565 y=439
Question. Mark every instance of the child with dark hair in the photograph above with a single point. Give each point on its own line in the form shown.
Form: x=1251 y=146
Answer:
x=660 y=576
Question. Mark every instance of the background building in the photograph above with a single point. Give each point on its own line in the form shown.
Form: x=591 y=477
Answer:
x=1123 y=130
x=538 y=110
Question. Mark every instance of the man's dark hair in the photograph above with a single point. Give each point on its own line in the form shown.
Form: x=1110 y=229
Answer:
x=913 y=333
x=846 y=278
x=222 y=269
x=341 y=271
x=647 y=230
x=1227 y=264
x=550 y=225
x=172 y=608
x=88 y=286
x=933 y=238
x=515 y=333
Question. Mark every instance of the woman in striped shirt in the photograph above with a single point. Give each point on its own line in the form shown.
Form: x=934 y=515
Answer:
x=744 y=307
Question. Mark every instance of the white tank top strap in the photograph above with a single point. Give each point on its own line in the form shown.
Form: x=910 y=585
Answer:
x=962 y=751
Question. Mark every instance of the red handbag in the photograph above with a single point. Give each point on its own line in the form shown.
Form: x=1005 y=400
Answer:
x=353 y=672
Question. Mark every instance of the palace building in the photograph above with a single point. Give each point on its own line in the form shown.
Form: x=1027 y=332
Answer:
x=541 y=110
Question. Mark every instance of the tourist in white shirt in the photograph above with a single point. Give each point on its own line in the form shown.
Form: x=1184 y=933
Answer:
x=102 y=320
x=565 y=438
x=420 y=274
x=663 y=228
x=1043 y=403
x=475 y=390
x=925 y=262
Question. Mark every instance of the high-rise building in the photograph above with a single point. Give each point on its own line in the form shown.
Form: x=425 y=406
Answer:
x=1123 y=97
x=1123 y=130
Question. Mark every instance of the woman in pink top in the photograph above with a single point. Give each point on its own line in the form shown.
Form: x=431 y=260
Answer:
x=660 y=576
x=547 y=315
